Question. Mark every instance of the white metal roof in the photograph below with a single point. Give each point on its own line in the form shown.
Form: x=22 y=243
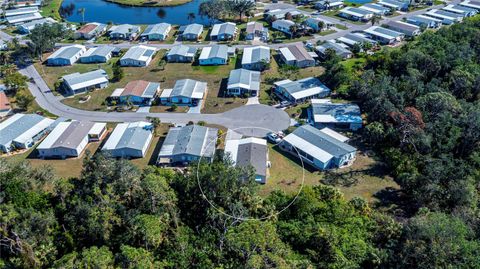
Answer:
x=37 y=128
x=334 y=134
x=308 y=147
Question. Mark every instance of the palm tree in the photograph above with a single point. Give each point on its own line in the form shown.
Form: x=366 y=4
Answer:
x=191 y=17
x=321 y=25
x=326 y=4
x=293 y=29
x=375 y=19
x=82 y=11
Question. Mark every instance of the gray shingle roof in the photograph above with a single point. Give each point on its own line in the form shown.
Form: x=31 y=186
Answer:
x=73 y=135
x=253 y=154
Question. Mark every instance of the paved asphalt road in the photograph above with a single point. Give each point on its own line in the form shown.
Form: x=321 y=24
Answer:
x=256 y=117
x=251 y=119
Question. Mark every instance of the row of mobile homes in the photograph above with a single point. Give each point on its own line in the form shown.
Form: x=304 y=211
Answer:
x=100 y=54
x=355 y=14
x=345 y=116
x=376 y=9
x=78 y=83
x=67 y=55
x=90 y=30
x=475 y=4
x=139 y=92
x=383 y=35
x=181 y=54
x=187 y=92
x=339 y=49
x=465 y=11
x=22 y=131
x=69 y=139
x=446 y=17
x=301 y=90
x=394 y=4
x=296 y=55
x=243 y=82
x=405 y=28
x=138 y=56
x=352 y=39
x=184 y=145
x=129 y=140
x=19 y=19
x=328 y=5
x=20 y=11
x=282 y=13
x=249 y=152
x=424 y=21
x=27 y=27
x=256 y=58
x=322 y=149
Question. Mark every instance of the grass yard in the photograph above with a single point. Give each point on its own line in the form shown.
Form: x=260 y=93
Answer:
x=72 y=167
x=273 y=74
x=363 y=179
x=341 y=26
x=284 y=38
x=215 y=76
x=63 y=168
x=327 y=32
x=161 y=109
x=51 y=10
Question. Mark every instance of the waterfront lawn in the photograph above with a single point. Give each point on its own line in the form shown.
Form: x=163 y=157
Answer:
x=51 y=9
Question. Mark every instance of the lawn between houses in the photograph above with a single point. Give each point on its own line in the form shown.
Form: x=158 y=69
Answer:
x=365 y=178
x=215 y=76
x=72 y=167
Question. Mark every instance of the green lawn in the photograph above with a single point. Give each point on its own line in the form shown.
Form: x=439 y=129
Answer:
x=51 y=10
x=215 y=76
x=272 y=75
x=327 y=32
x=364 y=178
x=72 y=167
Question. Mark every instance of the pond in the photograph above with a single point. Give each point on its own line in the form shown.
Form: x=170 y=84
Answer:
x=105 y=12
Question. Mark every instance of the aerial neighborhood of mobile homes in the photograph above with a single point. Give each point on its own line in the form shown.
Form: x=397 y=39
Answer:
x=249 y=57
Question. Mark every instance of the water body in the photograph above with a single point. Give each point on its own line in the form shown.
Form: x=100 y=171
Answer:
x=104 y=12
